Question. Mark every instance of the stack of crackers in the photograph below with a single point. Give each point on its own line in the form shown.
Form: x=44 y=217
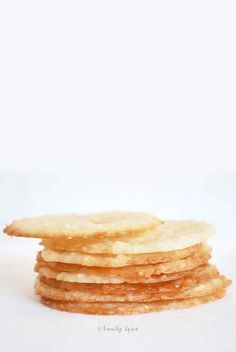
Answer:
x=121 y=263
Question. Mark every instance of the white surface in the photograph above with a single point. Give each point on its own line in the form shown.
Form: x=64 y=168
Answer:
x=26 y=325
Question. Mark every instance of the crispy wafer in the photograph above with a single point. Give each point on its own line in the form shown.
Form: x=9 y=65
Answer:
x=121 y=262
x=150 y=274
x=169 y=236
x=189 y=279
x=117 y=260
x=98 y=225
x=200 y=288
x=99 y=279
x=129 y=308
x=132 y=270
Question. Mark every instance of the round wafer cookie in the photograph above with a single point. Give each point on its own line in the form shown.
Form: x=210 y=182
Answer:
x=169 y=236
x=100 y=225
x=48 y=273
x=199 y=289
x=129 y=308
x=132 y=270
x=195 y=276
x=116 y=260
x=139 y=273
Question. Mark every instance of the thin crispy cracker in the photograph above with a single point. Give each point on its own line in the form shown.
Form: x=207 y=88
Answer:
x=129 y=308
x=188 y=279
x=169 y=236
x=150 y=274
x=147 y=270
x=98 y=279
x=201 y=287
x=117 y=260
x=98 y=225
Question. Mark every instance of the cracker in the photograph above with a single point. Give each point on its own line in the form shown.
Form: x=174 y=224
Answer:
x=199 y=289
x=98 y=280
x=169 y=236
x=123 y=274
x=98 y=225
x=187 y=263
x=194 y=277
x=116 y=260
x=129 y=308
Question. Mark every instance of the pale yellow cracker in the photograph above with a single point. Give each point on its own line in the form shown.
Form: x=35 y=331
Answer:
x=129 y=308
x=116 y=260
x=186 y=263
x=199 y=289
x=137 y=273
x=169 y=236
x=178 y=281
x=48 y=273
x=98 y=225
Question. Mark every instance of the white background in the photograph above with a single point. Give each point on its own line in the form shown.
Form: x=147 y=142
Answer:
x=116 y=105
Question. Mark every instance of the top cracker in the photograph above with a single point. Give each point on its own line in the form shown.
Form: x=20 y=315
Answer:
x=98 y=225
